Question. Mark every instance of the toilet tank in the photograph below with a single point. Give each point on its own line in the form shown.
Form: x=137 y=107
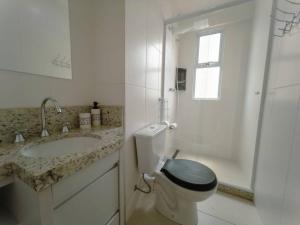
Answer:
x=150 y=143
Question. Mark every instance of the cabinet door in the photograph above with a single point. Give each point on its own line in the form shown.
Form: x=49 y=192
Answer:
x=71 y=185
x=94 y=205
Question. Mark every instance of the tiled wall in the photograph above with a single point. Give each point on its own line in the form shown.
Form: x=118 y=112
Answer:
x=256 y=69
x=28 y=120
x=144 y=33
x=212 y=127
x=278 y=178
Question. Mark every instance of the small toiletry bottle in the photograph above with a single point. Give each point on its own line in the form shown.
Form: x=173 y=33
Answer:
x=85 y=121
x=96 y=118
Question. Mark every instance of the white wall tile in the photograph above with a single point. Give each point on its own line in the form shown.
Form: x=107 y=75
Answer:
x=288 y=68
x=154 y=24
x=277 y=179
x=277 y=175
x=135 y=108
x=152 y=105
x=212 y=127
x=153 y=68
x=291 y=205
x=160 y=71
x=135 y=119
x=256 y=70
x=135 y=42
x=275 y=148
x=143 y=63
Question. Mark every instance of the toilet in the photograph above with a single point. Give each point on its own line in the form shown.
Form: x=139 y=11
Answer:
x=179 y=183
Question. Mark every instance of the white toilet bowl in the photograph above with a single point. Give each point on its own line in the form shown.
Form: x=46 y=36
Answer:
x=177 y=203
x=179 y=184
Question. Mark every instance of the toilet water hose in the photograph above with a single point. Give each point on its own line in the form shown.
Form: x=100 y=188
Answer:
x=140 y=189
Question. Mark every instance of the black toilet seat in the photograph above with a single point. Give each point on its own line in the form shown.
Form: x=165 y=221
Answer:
x=190 y=174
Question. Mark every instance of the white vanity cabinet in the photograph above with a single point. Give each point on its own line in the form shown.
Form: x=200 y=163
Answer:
x=96 y=204
x=89 y=197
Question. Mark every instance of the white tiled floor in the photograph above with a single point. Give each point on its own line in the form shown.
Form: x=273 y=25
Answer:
x=220 y=209
x=227 y=171
x=228 y=208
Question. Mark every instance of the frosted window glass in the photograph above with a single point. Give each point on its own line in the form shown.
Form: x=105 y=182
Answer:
x=207 y=83
x=209 y=48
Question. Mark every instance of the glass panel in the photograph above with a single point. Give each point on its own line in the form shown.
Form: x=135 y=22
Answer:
x=207 y=83
x=209 y=48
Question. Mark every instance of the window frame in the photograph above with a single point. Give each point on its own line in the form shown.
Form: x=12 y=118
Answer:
x=209 y=64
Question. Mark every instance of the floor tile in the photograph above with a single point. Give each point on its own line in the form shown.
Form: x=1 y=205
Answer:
x=205 y=219
x=220 y=209
x=145 y=213
x=232 y=209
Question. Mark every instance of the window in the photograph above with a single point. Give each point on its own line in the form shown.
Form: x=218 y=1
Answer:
x=207 y=76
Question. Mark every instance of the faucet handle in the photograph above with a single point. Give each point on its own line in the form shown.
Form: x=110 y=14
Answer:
x=66 y=127
x=19 y=136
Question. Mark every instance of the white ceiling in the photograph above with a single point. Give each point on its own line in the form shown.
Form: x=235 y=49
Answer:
x=182 y=7
x=219 y=18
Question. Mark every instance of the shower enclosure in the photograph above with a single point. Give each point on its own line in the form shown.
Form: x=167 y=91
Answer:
x=218 y=111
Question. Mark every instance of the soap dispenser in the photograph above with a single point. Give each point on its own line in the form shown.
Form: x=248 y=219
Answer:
x=96 y=119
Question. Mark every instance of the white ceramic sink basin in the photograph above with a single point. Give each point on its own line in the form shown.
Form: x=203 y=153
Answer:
x=62 y=147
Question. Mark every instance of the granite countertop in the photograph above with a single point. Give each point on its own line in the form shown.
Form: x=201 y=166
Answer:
x=42 y=172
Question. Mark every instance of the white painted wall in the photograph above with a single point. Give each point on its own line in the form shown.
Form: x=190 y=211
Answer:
x=35 y=37
x=254 y=85
x=143 y=54
x=98 y=63
x=108 y=53
x=277 y=181
x=212 y=127
x=26 y=90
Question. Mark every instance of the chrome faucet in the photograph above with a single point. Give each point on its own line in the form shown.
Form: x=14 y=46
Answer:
x=45 y=132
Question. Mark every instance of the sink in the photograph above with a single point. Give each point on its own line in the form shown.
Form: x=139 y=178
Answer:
x=62 y=147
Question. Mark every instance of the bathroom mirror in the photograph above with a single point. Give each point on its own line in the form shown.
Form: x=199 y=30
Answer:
x=35 y=37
